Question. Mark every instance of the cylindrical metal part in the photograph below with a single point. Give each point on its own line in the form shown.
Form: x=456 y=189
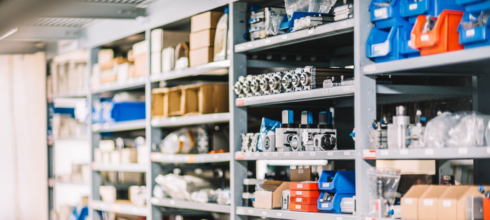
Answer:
x=238 y=88
x=400 y=110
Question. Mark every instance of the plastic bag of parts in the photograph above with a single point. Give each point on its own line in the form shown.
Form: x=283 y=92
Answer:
x=464 y=129
x=383 y=183
x=180 y=141
x=266 y=126
x=205 y=196
x=321 y=6
x=272 y=28
x=224 y=196
x=180 y=187
x=296 y=6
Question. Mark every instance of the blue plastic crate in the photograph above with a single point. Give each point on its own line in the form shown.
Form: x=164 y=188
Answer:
x=128 y=111
x=334 y=205
x=384 y=44
x=405 y=49
x=410 y=9
x=337 y=181
x=386 y=14
x=474 y=37
x=474 y=5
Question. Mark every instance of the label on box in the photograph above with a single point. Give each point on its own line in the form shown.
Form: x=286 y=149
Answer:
x=428 y=202
x=378 y=47
x=413 y=6
x=263 y=193
x=299 y=185
x=470 y=32
x=369 y=154
x=424 y=37
x=408 y=201
x=326 y=184
x=381 y=13
x=299 y=199
x=299 y=192
x=298 y=206
x=300 y=171
x=325 y=205
x=446 y=203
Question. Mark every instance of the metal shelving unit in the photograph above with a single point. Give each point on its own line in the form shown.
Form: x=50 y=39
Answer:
x=172 y=203
x=122 y=208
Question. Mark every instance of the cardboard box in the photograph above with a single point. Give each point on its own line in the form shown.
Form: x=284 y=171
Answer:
x=206 y=20
x=108 y=193
x=204 y=38
x=129 y=155
x=270 y=197
x=140 y=65
x=163 y=38
x=300 y=174
x=106 y=157
x=447 y=205
x=428 y=202
x=115 y=157
x=201 y=56
x=156 y=62
x=472 y=191
x=140 y=48
x=409 y=202
x=143 y=153
x=105 y=56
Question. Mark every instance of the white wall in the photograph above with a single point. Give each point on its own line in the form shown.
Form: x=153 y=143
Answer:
x=23 y=150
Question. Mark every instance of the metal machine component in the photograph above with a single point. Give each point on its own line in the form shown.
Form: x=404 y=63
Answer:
x=296 y=80
x=429 y=24
x=238 y=88
x=264 y=22
x=255 y=85
x=285 y=134
x=269 y=142
x=311 y=21
x=264 y=84
x=327 y=138
x=246 y=141
x=287 y=81
x=343 y=12
x=275 y=83
x=398 y=131
x=247 y=86
x=377 y=139
x=307 y=131
x=285 y=199
x=416 y=131
x=255 y=141
x=474 y=208
x=312 y=77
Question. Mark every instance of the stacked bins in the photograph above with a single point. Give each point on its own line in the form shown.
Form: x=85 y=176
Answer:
x=334 y=186
x=474 y=30
x=304 y=196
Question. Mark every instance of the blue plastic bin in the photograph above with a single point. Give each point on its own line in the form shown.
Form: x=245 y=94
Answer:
x=334 y=206
x=128 y=111
x=337 y=181
x=384 y=44
x=386 y=16
x=474 y=37
x=410 y=9
x=405 y=49
x=474 y=5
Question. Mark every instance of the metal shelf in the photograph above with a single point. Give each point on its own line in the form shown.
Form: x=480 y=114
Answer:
x=283 y=214
x=210 y=207
x=428 y=153
x=335 y=28
x=58 y=182
x=197 y=158
x=464 y=61
x=191 y=120
x=131 y=167
x=327 y=93
x=131 y=83
x=214 y=68
x=81 y=93
x=122 y=208
x=120 y=126
x=303 y=155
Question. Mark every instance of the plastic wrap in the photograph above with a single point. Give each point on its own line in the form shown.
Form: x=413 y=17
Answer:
x=181 y=187
x=224 y=196
x=321 y=6
x=296 y=5
x=180 y=141
x=205 y=196
x=464 y=129
x=266 y=126
x=383 y=183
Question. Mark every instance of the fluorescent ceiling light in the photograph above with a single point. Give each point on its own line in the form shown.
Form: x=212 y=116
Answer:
x=8 y=33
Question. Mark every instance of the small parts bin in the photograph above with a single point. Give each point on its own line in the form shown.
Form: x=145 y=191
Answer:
x=385 y=13
x=406 y=47
x=304 y=194
x=410 y=9
x=389 y=44
x=331 y=202
x=337 y=181
x=304 y=201
x=309 y=186
x=442 y=38
x=474 y=5
x=128 y=111
x=471 y=35
x=302 y=208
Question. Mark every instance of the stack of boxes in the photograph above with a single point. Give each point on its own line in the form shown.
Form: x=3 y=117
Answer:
x=139 y=53
x=338 y=187
x=304 y=196
x=162 y=39
x=203 y=28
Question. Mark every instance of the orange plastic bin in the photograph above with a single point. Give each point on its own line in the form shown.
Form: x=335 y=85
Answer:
x=444 y=37
x=486 y=209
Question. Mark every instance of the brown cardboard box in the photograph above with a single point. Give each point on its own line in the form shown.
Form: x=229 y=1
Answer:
x=270 y=197
x=300 y=174
x=409 y=202
x=129 y=155
x=206 y=20
x=428 y=202
x=139 y=65
x=448 y=202
x=472 y=191
x=164 y=38
x=201 y=56
x=204 y=38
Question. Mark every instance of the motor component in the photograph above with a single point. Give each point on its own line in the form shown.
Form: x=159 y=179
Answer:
x=312 y=21
x=247 y=86
x=238 y=88
x=247 y=141
x=398 y=130
x=343 y=12
x=327 y=138
x=269 y=142
x=275 y=83
x=255 y=85
x=265 y=84
x=383 y=185
x=287 y=81
x=285 y=134
x=311 y=77
x=377 y=139
x=416 y=132
x=285 y=199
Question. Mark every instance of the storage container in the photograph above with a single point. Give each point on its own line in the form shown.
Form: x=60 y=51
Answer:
x=406 y=46
x=128 y=111
x=337 y=181
x=304 y=186
x=442 y=38
x=332 y=206
x=305 y=194
x=304 y=201
x=303 y=208
x=474 y=5
x=384 y=44
x=474 y=36
x=410 y=9
x=386 y=13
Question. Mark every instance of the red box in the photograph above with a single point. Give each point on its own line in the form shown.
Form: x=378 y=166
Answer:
x=304 y=201
x=304 y=194
x=304 y=186
x=303 y=208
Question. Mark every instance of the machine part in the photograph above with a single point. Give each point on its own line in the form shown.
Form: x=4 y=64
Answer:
x=474 y=208
x=255 y=141
x=203 y=145
x=430 y=22
x=285 y=199
x=247 y=141
x=238 y=88
x=312 y=77
x=348 y=205
x=265 y=84
x=398 y=130
x=287 y=81
x=311 y=21
x=416 y=132
x=346 y=82
x=326 y=140
x=343 y=12
x=307 y=130
x=256 y=91
x=295 y=143
x=285 y=134
x=247 y=86
x=296 y=80
x=265 y=22
x=332 y=82
x=269 y=142
x=378 y=138
x=275 y=83
x=383 y=185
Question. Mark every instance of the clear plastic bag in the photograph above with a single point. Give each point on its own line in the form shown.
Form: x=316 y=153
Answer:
x=205 y=196
x=321 y=6
x=181 y=187
x=383 y=184
x=464 y=129
x=266 y=126
x=296 y=6
x=180 y=141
